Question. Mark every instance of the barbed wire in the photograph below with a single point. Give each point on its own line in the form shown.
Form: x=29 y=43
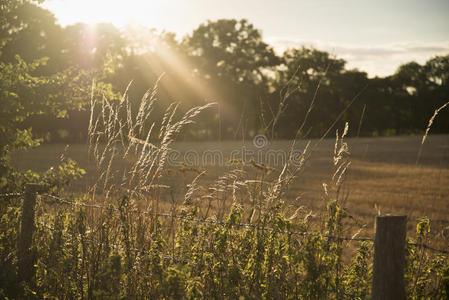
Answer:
x=115 y=246
x=428 y=247
x=58 y=199
x=221 y=223
x=11 y=195
x=210 y=221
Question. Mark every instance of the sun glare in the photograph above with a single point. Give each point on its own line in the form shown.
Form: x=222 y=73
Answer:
x=119 y=13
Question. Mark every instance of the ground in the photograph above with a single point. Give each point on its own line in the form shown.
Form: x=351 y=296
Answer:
x=383 y=176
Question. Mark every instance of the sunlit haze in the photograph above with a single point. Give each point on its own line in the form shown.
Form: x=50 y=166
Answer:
x=374 y=36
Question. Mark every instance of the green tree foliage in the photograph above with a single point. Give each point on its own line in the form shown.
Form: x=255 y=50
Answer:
x=22 y=97
x=416 y=91
x=327 y=92
x=230 y=58
x=29 y=89
x=315 y=74
x=225 y=61
x=230 y=50
x=87 y=46
x=31 y=32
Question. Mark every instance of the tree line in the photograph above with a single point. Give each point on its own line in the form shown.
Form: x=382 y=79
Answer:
x=224 y=61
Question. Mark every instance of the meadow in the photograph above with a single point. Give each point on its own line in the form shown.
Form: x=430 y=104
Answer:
x=227 y=219
x=143 y=210
x=383 y=177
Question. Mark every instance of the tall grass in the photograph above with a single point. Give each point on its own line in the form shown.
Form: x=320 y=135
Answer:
x=426 y=133
x=235 y=237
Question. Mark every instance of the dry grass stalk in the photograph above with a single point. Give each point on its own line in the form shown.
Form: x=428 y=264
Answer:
x=117 y=134
x=192 y=188
x=437 y=111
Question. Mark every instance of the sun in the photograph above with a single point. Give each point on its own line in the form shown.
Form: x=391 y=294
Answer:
x=119 y=13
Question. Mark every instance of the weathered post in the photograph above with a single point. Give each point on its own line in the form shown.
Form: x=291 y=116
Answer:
x=25 y=257
x=389 y=258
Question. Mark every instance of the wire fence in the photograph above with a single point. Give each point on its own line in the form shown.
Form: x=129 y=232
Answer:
x=210 y=221
x=11 y=195
x=46 y=198
x=425 y=246
x=115 y=246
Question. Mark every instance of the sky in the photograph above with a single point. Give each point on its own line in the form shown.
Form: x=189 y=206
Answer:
x=373 y=36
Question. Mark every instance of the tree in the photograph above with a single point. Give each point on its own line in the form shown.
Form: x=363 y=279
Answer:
x=26 y=90
x=31 y=32
x=417 y=90
x=230 y=49
x=87 y=46
x=437 y=71
x=317 y=101
x=230 y=58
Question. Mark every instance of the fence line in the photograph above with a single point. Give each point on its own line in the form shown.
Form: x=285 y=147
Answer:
x=303 y=233
x=11 y=195
x=73 y=203
x=389 y=243
x=428 y=247
x=115 y=246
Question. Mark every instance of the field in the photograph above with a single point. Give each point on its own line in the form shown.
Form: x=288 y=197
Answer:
x=383 y=176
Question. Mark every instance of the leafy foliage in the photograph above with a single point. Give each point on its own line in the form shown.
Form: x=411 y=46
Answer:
x=29 y=90
x=119 y=255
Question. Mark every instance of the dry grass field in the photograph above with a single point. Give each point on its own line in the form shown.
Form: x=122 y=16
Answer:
x=383 y=175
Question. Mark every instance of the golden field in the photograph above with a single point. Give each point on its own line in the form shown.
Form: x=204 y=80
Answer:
x=383 y=175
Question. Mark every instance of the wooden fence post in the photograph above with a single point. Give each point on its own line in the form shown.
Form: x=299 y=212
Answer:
x=25 y=258
x=389 y=258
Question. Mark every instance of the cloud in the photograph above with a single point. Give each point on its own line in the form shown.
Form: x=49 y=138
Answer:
x=380 y=60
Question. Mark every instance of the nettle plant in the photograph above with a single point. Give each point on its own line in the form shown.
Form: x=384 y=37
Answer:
x=233 y=237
